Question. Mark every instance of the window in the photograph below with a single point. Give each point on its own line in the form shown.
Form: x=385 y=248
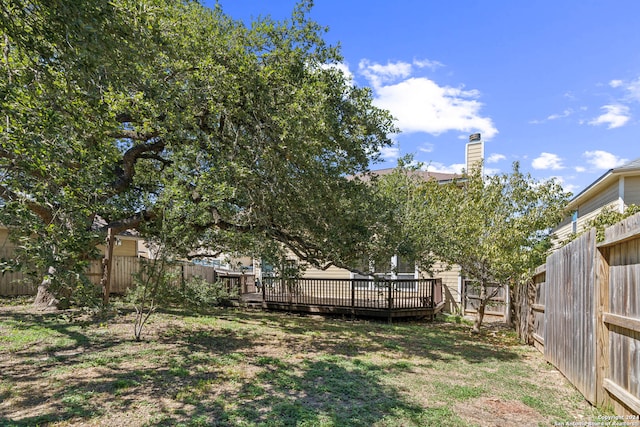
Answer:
x=405 y=273
x=399 y=268
x=574 y=222
x=267 y=270
x=406 y=266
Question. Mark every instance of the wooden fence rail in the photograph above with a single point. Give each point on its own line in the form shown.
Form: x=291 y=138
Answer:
x=582 y=310
x=498 y=304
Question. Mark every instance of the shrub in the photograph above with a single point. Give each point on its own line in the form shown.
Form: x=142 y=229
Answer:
x=200 y=295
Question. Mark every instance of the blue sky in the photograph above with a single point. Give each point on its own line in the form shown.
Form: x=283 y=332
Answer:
x=554 y=84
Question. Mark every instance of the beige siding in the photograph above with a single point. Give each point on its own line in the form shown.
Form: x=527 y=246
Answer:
x=587 y=211
x=583 y=221
x=125 y=247
x=330 y=273
x=562 y=233
x=450 y=279
x=632 y=190
x=603 y=198
x=475 y=153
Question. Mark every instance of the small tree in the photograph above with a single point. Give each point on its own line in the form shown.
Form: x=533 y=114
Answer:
x=152 y=287
x=496 y=228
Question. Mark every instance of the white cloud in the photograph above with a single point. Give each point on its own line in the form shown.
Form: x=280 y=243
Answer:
x=616 y=115
x=495 y=158
x=426 y=148
x=378 y=74
x=547 y=161
x=390 y=153
x=633 y=90
x=420 y=105
x=572 y=188
x=426 y=63
x=603 y=159
x=580 y=169
x=340 y=66
x=491 y=171
x=565 y=113
x=439 y=167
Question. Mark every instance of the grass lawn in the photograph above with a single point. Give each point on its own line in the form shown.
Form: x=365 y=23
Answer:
x=252 y=368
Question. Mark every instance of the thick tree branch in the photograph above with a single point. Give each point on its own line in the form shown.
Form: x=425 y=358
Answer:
x=197 y=255
x=131 y=223
x=43 y=212
x=131 y=157
x=133 y=135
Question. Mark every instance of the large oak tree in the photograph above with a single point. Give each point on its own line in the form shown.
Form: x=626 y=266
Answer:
x=118 y=114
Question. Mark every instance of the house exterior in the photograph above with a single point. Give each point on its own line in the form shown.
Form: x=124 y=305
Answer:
x=615 y=189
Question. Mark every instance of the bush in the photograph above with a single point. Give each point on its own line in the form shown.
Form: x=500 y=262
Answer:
x=200 y=295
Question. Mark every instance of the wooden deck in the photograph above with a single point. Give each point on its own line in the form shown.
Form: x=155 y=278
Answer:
x=355 y=297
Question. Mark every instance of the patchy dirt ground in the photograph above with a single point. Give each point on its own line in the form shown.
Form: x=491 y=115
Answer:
x=233 y=368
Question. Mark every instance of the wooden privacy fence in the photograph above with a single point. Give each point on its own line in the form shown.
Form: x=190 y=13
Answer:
x=529 y=310
x=582 y=310
x=497 y=305
x=123 y=274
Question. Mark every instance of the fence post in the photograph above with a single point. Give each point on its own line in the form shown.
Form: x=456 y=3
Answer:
x=602 y=329
x=264 y=297
x=353 y=299
x=390 y=302
x=183 y=280
x=507 y=296
x=432 y=300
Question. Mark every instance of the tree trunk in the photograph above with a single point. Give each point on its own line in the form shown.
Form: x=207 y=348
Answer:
x=45 y=299
x=481 y=307
x=107 y=262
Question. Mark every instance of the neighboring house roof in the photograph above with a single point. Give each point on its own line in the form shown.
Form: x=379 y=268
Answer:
x=426 y=175
x=630 y=168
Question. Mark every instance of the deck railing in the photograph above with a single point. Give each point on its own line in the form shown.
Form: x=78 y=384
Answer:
x=401 y=294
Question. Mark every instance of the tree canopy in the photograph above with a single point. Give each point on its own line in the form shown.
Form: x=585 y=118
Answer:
x=135 y=111
x=496 y=228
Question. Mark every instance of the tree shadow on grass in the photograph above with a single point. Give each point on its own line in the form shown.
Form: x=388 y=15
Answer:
x=432 y=340
x=331 y=390
x=330 y=386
